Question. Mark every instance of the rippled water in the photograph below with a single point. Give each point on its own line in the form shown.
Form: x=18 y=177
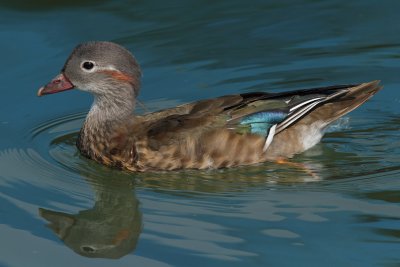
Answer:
x=336 y=205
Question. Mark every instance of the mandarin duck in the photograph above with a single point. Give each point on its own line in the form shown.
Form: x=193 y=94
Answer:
x=227 y=131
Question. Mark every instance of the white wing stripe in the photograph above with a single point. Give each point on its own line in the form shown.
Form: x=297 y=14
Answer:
x=304 y=103
x=270 y=137
x=297 y=114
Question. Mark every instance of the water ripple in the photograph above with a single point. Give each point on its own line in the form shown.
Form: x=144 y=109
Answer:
x=347 y=157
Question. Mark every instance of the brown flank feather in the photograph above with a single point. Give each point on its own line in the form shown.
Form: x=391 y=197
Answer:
x=194 y=136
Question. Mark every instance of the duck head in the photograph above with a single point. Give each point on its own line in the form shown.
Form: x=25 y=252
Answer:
x=104 y=69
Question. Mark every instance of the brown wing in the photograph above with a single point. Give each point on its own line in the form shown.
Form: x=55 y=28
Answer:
x=192 y=120
x=192 y=136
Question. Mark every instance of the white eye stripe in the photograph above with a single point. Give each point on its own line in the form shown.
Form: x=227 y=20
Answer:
x=91 y=66
x=108 y=67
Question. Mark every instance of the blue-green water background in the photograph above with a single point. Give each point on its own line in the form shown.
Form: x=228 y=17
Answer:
x=348 y=214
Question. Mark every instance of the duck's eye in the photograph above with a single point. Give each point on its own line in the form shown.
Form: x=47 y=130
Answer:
x=87 y=65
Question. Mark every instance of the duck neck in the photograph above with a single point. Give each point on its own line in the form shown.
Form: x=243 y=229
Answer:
x=106 y=113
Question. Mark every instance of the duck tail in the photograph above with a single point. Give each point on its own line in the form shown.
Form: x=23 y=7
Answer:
x=352 y=98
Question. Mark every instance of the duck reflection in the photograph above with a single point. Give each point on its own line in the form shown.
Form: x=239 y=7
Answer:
x=111 y=228
x=108 y=230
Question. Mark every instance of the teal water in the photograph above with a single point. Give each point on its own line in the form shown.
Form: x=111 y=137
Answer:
x=60 y=209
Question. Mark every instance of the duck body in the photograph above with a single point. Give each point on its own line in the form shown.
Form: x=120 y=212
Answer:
x=222 y=132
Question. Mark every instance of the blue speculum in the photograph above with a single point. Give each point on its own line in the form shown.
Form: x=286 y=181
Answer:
x=261 y=122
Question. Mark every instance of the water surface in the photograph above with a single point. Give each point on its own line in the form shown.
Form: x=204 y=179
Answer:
x=60 y=209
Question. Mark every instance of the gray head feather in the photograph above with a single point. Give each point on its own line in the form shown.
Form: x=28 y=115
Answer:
x=104 y=56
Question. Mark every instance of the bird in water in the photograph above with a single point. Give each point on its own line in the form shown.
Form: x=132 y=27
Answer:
x=222 y=132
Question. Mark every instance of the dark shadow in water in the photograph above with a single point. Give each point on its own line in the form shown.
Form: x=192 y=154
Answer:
x=388 y=196
x=110 y=229
x=42 y=5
